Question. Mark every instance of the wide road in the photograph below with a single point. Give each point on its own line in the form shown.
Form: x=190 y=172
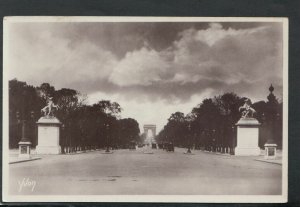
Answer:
x=133 y=172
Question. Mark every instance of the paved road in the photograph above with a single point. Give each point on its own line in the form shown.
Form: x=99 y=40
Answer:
x=133 y=172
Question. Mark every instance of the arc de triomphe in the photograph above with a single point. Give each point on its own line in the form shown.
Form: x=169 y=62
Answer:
x=150 y=131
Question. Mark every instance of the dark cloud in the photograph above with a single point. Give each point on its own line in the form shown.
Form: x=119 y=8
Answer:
x=165 y=60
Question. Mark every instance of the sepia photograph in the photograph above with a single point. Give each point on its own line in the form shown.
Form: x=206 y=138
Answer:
x=145 y=109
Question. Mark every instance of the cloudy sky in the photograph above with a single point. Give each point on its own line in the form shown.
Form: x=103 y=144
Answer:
x=151 y=69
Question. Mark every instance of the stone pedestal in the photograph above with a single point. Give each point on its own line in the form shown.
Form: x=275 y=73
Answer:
x=247 y=137
x=48 y=136
x=24 y=149
x=270 y=150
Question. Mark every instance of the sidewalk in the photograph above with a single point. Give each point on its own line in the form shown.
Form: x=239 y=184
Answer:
x=275 y=161
x=260 y=158
x=13 y=160
x=14 y=155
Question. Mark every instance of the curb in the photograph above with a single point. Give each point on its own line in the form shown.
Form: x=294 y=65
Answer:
x=188 y=153
x=268 y=161
x=18 y=161
x=107 y=152
x=79 y=152
x=217 y=153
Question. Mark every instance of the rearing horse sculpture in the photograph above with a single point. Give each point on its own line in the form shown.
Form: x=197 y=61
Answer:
x=247 y=110
x=47 y=110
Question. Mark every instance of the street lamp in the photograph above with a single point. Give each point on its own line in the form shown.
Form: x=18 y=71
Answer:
x=233 y=141
x=107 y=138
x=189 y=132
x=205 y=137
x=165 y=145
x=63 y=135
x=24 y=144
x=214 y=140
x=202 y=140
x=270 y=145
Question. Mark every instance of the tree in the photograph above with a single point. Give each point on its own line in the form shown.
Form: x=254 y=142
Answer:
x=45 y=90
x=83 y=126
x=273 y=119
x=189 y=131
x=143 y=137
x=174 y=130
x=67 y=100
x=212 y=123
x=269 y=114
x=23 y=100
x=260 y=108
x=228 y=105
x=177 y=117
x=128 y=132
x=108 y=107
x=207 y=119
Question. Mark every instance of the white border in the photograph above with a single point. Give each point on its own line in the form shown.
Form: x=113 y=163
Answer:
x=145 y=198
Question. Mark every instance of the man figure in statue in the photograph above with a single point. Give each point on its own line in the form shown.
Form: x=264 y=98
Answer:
x=247 y=110
x=48 y=130
x=48 y=110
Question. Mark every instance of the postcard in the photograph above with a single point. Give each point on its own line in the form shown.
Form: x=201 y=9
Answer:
x=145 y=109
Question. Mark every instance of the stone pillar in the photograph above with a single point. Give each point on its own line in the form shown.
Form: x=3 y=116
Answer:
x=24 y=144
x=270 y=150
x=48 y=135
x=247 y=137
x=24 y=149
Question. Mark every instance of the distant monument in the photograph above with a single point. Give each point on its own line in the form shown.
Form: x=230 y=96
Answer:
x=48 y=130
x=150 y=131
x=247 y=132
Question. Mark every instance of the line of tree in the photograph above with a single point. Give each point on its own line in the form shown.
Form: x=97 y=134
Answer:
x=84 y=127
x=211 y=124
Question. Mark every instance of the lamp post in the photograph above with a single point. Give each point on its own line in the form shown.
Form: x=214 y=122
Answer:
x=273 y=116
x=270 y=145
x=63 y=135
x=189 y=134
x=206 y=140
x=265 y=131
x=165 y=143
x=107 y=138
x=232 y=141
x=202 y=140
x=24 y=144
x=214 y=140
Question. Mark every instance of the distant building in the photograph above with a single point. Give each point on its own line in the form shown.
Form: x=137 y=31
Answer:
x=150 y=131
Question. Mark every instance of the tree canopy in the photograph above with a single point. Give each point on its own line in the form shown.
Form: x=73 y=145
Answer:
x=211 y=124
x=83 y=126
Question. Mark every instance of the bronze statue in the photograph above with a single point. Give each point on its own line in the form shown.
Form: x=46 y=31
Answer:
x=48 y=110
x=247 y=110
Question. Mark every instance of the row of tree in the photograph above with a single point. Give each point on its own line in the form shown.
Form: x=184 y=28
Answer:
x=211 y=124
x=83 y=126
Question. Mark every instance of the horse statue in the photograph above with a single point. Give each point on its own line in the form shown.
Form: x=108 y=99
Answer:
x=247 y=110
x=48 y=110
